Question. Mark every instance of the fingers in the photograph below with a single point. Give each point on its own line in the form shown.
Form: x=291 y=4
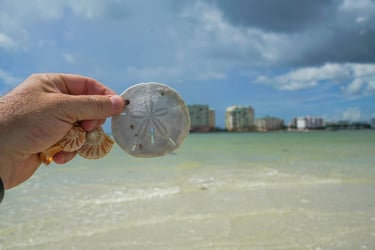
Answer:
x=90 y=125
x=90 y=107
x=63 y=157
x=79 y=85
x=80 y=98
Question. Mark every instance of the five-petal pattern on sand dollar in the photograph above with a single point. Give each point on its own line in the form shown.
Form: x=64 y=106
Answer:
x=150 y=120
x=155 y=121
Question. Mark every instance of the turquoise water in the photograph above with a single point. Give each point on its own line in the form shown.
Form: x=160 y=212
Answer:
x=282 y=190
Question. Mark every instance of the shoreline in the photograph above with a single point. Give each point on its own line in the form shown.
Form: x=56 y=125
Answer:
x=277 y=131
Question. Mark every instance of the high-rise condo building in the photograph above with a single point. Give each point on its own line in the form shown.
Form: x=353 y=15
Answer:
x=239 y=118
x=269 y=123
x=202 y=118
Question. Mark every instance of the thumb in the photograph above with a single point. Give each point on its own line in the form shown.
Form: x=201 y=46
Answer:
x=89 y=107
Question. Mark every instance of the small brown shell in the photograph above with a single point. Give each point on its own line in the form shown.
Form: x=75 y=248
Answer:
x=47 y=156
x=74 y=139
x=97 y=144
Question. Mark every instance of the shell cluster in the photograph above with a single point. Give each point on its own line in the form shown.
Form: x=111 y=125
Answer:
x=91 y=145
x=154 y=122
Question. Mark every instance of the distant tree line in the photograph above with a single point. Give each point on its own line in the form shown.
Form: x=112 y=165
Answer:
x=347 y=125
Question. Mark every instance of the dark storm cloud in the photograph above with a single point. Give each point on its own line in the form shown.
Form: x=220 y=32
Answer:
x=277 y=16
x=344 y=46
x=332 y=30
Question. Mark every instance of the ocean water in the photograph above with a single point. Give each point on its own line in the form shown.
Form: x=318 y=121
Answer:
x=277 y=190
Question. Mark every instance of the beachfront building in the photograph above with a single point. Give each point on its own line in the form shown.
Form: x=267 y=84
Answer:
x=211 y=119
x=301 y=123
x=239 y=118
x=202 y=118
x=307 y=122
x=269 y=123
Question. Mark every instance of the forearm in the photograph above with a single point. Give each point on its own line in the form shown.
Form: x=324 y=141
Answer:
x=4 y=134
x=11 y=139
x=8 y=140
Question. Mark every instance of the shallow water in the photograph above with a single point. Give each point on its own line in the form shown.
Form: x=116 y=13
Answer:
x=218 y=191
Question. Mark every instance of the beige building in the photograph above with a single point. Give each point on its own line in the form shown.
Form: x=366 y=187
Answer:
x=239 y=118
x=202 y=118
x=269 y=123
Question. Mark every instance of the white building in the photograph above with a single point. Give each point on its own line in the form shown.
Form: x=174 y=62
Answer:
x=301 y=123
x=307 y=122
x=202 y=118
x=239 y=118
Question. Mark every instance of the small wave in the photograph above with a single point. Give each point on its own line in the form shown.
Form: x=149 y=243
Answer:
x=208 y=182
x=268 y=172
x=270 y=180
x=305 y=181
x=127 y=195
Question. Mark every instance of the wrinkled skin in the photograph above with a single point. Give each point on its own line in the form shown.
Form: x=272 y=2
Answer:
x=40 y=111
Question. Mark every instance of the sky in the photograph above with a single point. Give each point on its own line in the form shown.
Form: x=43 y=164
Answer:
x=284 y=58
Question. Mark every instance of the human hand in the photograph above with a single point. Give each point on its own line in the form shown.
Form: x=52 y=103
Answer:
x=40 y=111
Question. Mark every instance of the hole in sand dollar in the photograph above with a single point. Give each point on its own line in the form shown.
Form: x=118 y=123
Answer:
x=127 y=102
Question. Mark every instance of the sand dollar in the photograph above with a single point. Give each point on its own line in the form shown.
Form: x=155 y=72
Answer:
x=154 y=123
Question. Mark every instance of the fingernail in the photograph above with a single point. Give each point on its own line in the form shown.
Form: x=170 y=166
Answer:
x=117 y=102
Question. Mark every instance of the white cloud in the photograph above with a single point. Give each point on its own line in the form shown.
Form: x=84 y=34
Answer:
x=358 y=79
x=211 y=75
x=215 y=37
x=8 y=80
x=204 y=44
x=306 y=77
x=361 y=19
x=148 y=73
x=354 y=87
x=68 y=57
x=5 y=41
x=92 y=9
x=371 y=86
x=352 y=114
x=18 y=17
x=171 y=73
x=363 y=76
x=355 y=5
x=363 y=70
x=16 y=13
x=29 y=11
